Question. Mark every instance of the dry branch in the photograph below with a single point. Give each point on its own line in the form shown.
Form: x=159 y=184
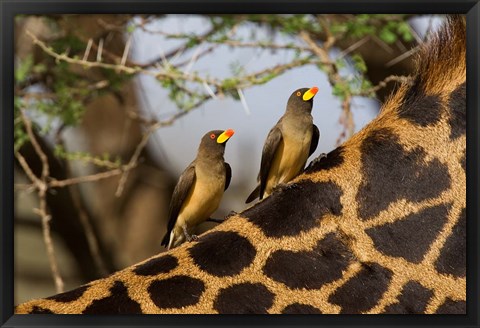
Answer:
x=333 y=77
x=42 y=187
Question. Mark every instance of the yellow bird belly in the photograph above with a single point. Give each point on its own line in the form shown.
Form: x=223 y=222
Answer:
x=289 y=161
x=203 y=199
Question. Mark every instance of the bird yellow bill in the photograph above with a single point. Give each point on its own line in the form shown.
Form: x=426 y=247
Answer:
x=225 y=136
x=310 y=93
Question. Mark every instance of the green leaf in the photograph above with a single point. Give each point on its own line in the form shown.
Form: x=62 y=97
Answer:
x=229 y=83
x=131 y=28
x=39 y=68
x=405 y=31
x=359 y=63
x=340 y=63
x=388 y=36
x=340 y=89
x=23 y=69
x=70 y=42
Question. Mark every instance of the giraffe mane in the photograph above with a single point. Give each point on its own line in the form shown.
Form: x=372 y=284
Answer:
x=442 y=59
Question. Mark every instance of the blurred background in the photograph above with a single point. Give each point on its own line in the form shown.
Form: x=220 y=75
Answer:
x=110 y=109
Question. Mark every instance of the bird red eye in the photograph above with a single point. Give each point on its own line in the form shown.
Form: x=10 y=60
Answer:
x=299 y=93
x=212 y=136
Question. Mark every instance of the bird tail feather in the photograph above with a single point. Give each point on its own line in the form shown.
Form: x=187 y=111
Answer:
x=166 y=239
x=172 y=239
x=255 y=194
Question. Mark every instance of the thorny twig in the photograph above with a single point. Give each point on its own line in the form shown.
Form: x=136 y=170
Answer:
x=54 y=183
x=333 y=77
x=384 y=82
x=42 y=187
x=403 y=56
x=244 y=81
x=92 y=241
x=134 y=159
x=88 y=178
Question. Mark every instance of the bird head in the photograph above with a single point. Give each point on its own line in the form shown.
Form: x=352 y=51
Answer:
x=302 y=99
x=214 y=141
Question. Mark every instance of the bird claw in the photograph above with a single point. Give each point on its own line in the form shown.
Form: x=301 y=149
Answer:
x=193 y=238
x=317 y=160
x=229 y=215
x=189 y=237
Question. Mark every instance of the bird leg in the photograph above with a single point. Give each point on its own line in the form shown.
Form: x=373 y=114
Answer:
x=187 y=235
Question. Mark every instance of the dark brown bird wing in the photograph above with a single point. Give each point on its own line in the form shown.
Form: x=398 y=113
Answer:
x=270 y=148
x=228 y=175
x=180 y=193
x=315 y=138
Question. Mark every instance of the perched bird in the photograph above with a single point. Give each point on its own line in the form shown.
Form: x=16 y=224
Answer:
x=199 y=189
x=289 y=144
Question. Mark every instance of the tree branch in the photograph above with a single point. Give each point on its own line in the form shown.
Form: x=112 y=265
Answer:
x=134 y=159
x=42 y=187
x=333 y=77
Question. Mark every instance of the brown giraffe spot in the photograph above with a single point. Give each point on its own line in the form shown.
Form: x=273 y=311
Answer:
x=364 y=290
x=333 y=159
x=411 y=236
x=385 y=163
x=298 y=308
x=418 y=108
x=244 y=298
x=413 y=300
x=299 y=207
x=452 y=307
x=452 y=259
x=176 y=292
x=223 y=253
x=312 y=269
x=40 y=310
x=117 y=303
x=162 y=264
x=458 y=111
x=70 y=295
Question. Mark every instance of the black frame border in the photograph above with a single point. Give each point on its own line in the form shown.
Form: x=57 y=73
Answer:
x=10 y=8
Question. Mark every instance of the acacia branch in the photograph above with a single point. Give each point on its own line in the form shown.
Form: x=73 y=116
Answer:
x=42 y=187
x=84 y=219
x=88 y=178
x=179 y=80
x=383 y=84
x=333 y=77
x=172 y=75
x=134 y=159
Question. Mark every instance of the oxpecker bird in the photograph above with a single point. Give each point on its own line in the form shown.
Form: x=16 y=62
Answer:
x=289 y=144
x=199 y=189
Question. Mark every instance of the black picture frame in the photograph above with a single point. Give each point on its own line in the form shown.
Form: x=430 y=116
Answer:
x=10 y=8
